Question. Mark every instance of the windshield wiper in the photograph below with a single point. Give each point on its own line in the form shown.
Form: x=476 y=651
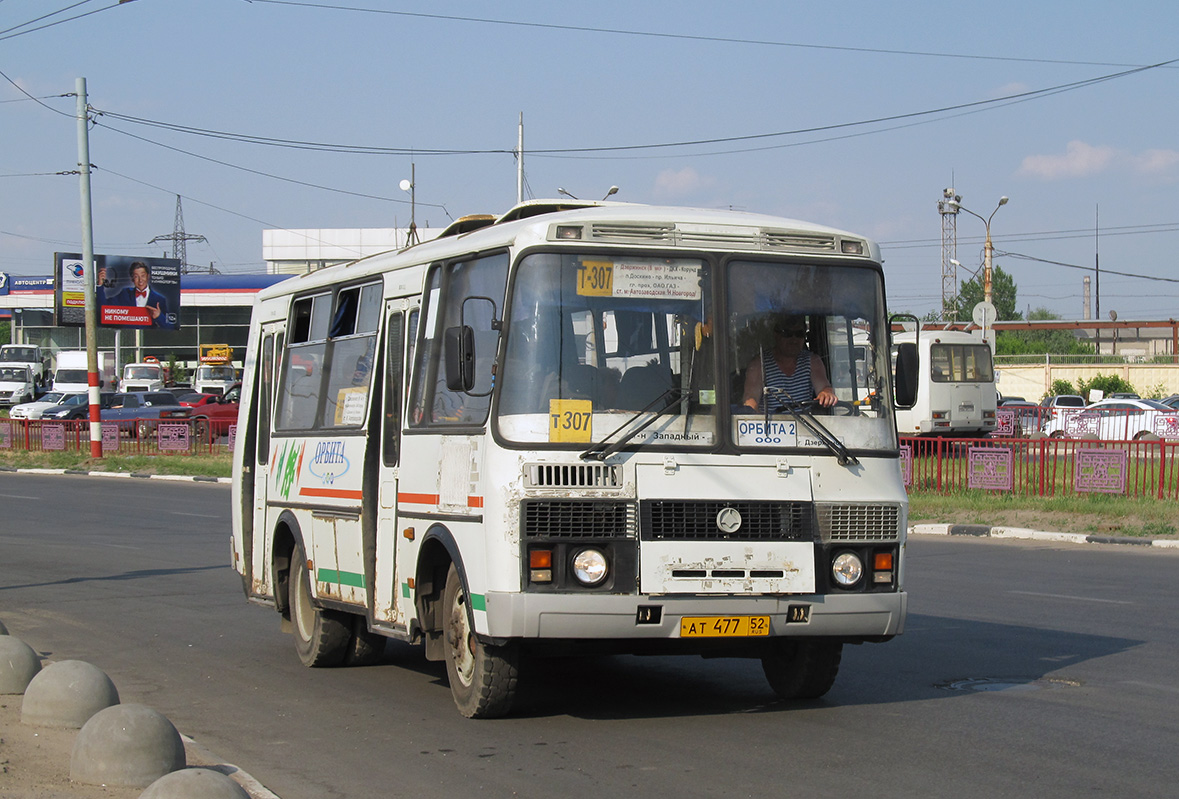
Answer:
x=799 y=411
x=673 y=397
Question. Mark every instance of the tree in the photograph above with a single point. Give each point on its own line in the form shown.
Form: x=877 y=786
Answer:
x=1040 y=342
x=972 y=292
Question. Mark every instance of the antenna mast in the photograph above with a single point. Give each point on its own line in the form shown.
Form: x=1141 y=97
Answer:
x=948 y=208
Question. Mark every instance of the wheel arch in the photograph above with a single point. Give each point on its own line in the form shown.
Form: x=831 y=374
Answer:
x=287 y=534
x=437 y=552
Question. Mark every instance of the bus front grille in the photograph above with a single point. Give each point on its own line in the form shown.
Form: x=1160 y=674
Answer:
x=859 y=522
x=576 y=475
x=719 y=520
x=577 y=519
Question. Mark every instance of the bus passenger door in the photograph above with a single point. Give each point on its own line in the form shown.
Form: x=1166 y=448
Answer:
x=262 y=411
x=385 y=435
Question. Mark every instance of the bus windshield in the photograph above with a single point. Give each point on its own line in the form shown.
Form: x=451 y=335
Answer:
x=594 y=339
x=598 y=342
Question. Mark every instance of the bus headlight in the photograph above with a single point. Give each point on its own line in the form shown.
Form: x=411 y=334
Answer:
x=590 y=567
x=847 y=569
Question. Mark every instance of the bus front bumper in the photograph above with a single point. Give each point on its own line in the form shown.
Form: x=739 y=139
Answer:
x=605 y=616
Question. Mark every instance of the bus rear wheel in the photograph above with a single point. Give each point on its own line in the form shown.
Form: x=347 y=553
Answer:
x=321 y=636
x=482 y=677
x=803 y=669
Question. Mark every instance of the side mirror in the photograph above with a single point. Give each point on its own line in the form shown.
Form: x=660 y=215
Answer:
x=905 y=382
x=459 y=351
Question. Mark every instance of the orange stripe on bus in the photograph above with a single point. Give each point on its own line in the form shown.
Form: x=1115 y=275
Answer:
x=419 y=499
x=333 y=493
x=435 y=499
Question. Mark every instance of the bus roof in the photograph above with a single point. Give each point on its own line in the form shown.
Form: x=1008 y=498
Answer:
x=645 y=226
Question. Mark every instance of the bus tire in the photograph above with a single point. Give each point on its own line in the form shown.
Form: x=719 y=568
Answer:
x=321 y=636
x=803 y=669
x=365 y=647
x=482 y=677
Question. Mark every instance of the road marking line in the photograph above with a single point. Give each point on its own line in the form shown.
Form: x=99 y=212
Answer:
x=1074 y=598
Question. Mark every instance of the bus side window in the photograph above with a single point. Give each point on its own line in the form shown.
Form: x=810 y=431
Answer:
x=391 y=429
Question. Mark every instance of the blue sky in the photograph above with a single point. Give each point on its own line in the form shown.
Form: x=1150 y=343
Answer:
x=1092 y=167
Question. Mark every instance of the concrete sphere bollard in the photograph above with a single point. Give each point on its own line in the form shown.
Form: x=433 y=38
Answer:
x=195 y=783
x=128 y=745
x=18 y=665
x=67 y=694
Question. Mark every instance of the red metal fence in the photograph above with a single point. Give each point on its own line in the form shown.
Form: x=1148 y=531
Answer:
x=1042 y=466
x=142 y=437
x=1025 y=467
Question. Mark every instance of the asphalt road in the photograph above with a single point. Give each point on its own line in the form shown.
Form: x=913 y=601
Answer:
x=1026 y=669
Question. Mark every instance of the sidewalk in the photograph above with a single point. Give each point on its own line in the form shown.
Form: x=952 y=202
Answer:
x=35 y=762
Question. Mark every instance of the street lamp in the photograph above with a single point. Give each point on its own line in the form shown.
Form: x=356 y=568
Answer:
x=988 y=248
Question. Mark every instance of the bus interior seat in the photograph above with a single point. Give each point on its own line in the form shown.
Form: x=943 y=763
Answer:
x=640 y=386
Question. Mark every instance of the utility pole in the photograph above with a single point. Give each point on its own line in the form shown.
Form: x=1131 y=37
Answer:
x=520 y=162
x=88 y=270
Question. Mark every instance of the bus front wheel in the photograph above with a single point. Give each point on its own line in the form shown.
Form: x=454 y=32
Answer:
x=321 y=636
x=803 y=669
x=482 y=677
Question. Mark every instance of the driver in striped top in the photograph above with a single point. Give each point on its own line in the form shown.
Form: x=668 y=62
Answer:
x=790 y=371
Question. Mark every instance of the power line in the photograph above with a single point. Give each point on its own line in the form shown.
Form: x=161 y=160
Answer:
x=1022 y=257
x=13 y=32
x=402 y=151
x=1049 y=235
x=268 y=174
x=686 y=36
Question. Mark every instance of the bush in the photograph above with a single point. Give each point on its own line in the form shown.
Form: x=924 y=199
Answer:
x=1106 y=383
x=1060 y=387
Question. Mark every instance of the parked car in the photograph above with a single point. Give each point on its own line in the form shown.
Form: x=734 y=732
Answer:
x=1116 y=420
x=212 y=413
x=1171 y=401
x=1027 y=415
x=1052 y=404
x=77 y=406
x=145 y=409
x=33 y=410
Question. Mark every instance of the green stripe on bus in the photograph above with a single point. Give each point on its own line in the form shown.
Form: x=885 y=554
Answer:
x=405 y=590
x=478 y=602
x=342 y=578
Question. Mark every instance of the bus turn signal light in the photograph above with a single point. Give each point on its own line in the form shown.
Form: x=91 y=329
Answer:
x=540 y=565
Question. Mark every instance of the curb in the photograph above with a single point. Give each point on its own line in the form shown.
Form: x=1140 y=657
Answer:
x=983 y=531
x=136 y=475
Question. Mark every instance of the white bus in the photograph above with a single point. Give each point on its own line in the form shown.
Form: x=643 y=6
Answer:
x=955 y=394
x=528 y=437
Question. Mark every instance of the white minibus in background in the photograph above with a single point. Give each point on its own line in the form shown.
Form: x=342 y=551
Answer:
x=956 y=394
x=530 y=436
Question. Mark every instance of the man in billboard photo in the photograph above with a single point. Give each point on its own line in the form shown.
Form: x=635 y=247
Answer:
x=139 y=295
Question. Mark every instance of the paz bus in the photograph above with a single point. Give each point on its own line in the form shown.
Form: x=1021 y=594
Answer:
x=956 y=394
x=526 y=438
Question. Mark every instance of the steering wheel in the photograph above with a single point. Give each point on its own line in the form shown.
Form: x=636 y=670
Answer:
x=843 y=408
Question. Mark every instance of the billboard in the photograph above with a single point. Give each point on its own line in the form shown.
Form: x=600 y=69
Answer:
x=131 y=291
